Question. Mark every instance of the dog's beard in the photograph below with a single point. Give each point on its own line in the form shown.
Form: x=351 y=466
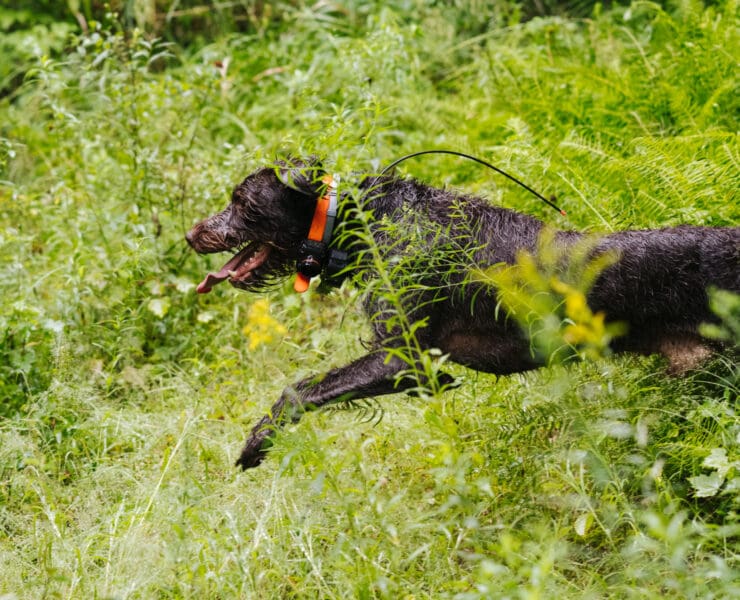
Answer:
x=240 y=269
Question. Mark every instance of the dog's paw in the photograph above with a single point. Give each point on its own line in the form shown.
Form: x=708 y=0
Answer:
x=447 y=381
x=254 y=452
x=250 y=459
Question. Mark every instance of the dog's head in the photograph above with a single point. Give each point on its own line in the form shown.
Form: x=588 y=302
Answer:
x=269 y=216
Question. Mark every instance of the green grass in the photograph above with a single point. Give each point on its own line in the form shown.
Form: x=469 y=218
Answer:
x=126 y=397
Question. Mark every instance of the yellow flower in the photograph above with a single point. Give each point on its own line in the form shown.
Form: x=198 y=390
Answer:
x=576 y=307
x=261 y=327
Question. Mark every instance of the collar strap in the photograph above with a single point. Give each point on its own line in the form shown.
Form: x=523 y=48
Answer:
x=313 y=250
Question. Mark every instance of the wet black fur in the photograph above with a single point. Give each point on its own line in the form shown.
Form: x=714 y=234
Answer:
x=658 y=286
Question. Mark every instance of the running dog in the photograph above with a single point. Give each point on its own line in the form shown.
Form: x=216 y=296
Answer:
x=287 y=219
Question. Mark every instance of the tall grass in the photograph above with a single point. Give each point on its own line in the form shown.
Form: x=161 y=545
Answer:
x=125 y=397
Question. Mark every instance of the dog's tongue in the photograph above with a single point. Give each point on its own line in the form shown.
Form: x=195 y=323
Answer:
x=212 y=279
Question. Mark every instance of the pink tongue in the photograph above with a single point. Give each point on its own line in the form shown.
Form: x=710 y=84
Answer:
x=212 y=279
x=207 y=284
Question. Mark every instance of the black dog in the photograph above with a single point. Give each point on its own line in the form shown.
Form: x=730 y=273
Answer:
x=657 y=286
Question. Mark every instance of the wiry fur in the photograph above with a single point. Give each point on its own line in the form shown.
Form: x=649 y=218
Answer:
x=657 y=286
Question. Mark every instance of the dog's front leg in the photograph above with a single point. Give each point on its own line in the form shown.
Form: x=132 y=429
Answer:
x=372 y=375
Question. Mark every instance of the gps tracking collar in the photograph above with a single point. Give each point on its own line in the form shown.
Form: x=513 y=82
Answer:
x=314 y=255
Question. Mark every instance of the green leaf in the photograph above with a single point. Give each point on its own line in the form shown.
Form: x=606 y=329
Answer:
x=717 y=460
x=706 y=486
x=583 y=524
x=159 y=306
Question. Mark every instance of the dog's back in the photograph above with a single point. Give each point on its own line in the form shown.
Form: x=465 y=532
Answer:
x=657 y=286
x=662 y=275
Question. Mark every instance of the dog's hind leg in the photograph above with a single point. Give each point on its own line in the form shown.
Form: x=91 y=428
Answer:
x=375 y=374
x=684 y=353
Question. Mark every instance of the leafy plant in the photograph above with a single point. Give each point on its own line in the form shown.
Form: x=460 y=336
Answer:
x=27 y=341
x=550 y=303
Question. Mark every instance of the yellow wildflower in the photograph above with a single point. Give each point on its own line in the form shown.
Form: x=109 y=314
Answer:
x=261 y=327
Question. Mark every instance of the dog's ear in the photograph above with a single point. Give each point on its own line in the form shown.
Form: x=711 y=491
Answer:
x=304 y=176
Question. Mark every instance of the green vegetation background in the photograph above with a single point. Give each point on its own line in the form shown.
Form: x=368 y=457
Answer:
x=125 y=396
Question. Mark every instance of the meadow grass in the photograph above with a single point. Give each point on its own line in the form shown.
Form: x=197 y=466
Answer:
x=126 y=397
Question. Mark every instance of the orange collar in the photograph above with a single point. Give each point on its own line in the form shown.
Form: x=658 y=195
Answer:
x=322 y=225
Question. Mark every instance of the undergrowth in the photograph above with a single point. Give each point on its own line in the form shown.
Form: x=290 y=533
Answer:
x=125 y=397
